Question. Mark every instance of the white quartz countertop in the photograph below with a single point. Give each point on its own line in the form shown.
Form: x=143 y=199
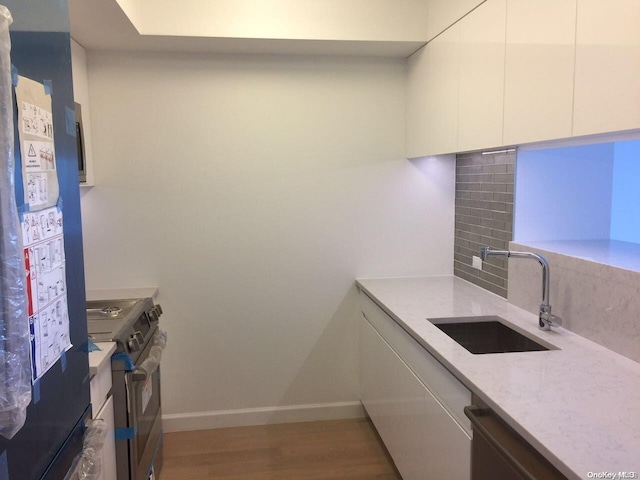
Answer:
x=578 y=405
x=97 y=358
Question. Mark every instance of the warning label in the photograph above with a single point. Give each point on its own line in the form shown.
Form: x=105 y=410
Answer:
x=39 y=156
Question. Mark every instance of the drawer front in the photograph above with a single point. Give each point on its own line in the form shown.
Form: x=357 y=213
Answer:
x=448 y=445
x=383 y=323
x=452 y=394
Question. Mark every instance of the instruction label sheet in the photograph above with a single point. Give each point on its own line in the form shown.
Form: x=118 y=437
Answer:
x=46 y=288
x=35 y=130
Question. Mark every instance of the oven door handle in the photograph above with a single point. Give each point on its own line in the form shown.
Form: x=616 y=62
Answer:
x=139 y=375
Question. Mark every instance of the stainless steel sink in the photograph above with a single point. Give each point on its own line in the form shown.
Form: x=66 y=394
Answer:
x=489 y=334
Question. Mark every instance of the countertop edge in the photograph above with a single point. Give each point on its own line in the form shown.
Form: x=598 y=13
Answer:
x=98 y=358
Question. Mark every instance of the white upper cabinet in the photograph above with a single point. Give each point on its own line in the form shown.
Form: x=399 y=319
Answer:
x=539 y=70
x=417 y=110
x=481 y=76
x=455 y=86
x=441 y=14
x=607 y=84
x=432 y=98
x=81 y=96
x=513 y=72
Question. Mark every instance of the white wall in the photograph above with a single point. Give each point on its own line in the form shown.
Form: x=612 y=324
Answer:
x=252 y=191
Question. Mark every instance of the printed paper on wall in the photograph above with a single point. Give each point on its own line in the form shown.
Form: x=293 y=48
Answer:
x=35 y=129
x=43 y=241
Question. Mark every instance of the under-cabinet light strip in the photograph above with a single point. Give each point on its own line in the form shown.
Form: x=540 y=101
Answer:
x=495 y=152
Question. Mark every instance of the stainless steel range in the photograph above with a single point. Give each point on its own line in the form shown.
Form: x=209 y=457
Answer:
x=135 y=367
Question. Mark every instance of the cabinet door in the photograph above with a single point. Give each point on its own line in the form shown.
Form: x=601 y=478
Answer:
x=372 y=391
x=481 y=83
x=417 y=141
x=422 y=438
x=448 y=447
x=108 y=453
x=607 y=92
x=81 y=96
x=539 y=70
x=395 y=401
x=432 y=98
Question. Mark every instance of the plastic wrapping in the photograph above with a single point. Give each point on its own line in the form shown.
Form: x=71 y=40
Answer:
x=88 y=464
x=151 y=363
x=15 y=359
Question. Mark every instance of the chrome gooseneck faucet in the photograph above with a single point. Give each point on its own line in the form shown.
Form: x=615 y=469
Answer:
x=545 y=319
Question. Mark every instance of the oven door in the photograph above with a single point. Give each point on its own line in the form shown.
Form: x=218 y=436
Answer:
x=146 y=418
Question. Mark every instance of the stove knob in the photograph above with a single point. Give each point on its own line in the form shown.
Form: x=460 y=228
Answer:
x=133 y=344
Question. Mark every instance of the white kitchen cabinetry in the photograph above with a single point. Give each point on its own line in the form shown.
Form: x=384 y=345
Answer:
x=441 y=14
x=102 y=405
x=417 y=136
x=432 y=99
x=512 y=72
x=539 y=70
x=607 y=92
x=397 y=402
x=456 y=85
x=108 y=453
x=481 y=76
x=81 y=96
x=424 y=437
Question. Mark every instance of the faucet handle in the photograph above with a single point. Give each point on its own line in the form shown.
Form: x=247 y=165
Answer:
x=546 y=320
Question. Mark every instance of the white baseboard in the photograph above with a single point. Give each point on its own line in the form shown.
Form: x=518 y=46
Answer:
x=261 y=416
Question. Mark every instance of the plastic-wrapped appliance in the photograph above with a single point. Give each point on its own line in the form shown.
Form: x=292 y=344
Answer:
x=135 y=369
x=15 y=366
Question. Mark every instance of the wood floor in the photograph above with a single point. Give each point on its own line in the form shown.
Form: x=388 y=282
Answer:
x=328 y=450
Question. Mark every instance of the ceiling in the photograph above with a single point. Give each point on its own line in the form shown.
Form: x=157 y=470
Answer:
x=102 y=25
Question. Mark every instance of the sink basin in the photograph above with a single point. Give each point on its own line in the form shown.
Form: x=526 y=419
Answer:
x=487 y=334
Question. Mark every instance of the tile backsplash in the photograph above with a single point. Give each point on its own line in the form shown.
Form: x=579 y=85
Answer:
x=483 y=216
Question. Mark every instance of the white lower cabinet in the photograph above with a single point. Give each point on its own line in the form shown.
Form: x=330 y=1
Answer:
x=108 y=453
x=102 y=406
x=395 y=400
x=422 y=437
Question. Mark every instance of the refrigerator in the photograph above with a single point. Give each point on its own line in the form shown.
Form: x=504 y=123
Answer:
x=52 y=435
